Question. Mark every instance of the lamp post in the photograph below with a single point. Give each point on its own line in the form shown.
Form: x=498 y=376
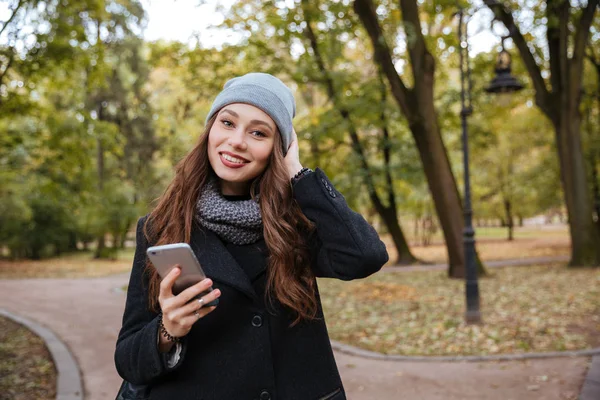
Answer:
x=503 y=82
x=472 y=314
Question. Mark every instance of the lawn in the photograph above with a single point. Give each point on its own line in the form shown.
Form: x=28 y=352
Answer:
x=77 y=265
x=26 y=368
x=524 y=309
x=529 y=242
x=492 y=245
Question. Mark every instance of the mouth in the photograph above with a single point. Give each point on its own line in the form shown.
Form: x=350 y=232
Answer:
x=232 y=160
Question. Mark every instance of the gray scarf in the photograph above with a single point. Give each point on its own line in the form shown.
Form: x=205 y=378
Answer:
x=238 y=222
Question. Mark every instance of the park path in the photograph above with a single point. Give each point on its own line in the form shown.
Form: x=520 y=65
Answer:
x=86 y=314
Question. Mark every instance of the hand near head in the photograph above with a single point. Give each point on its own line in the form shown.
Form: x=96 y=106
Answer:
x=292 y=158
x=181 y=312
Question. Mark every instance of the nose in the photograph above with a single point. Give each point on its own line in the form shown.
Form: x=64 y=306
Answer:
x=237 y=139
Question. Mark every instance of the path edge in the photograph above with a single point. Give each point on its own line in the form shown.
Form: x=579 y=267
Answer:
x=69 y=385
x=591 y=384
x=358 y=352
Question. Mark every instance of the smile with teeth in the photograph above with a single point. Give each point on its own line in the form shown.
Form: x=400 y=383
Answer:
x=232 y=159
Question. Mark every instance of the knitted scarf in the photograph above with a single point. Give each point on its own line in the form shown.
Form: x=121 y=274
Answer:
x=238 y=222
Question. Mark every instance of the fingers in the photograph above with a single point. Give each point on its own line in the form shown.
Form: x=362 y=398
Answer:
x=166 y=285
x=294 y=141
x=196 y=309
x=191 y=319
x=196 y=305
x=180 y=313
x=193 y=291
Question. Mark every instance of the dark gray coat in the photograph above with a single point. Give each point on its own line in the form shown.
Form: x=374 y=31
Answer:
x=230 y=354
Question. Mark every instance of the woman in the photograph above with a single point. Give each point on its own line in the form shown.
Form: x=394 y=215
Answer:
x=263 y=227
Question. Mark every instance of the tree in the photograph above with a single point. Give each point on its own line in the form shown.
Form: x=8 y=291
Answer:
x=418 y=106
x=560 y=102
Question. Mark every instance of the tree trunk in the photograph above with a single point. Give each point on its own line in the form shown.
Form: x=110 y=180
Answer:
x=509 y=219
x=123 y=242
x=116 y=241
x=101 y=243
x=584 y=233
x=595 y=191
x=390 y=219
x=72 y=244
x=442 y=186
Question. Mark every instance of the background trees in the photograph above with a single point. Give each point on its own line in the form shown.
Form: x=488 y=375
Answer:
x=92 y=118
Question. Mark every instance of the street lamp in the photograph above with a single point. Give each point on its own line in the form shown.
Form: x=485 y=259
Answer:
x=472 y=314
x=503 y=82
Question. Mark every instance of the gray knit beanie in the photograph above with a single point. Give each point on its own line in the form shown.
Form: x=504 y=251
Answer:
x=265 y=92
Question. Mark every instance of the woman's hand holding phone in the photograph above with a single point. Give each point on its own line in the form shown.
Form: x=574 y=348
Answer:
x=179 y=312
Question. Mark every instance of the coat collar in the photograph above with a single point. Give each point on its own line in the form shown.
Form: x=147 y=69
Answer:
x=217 y=263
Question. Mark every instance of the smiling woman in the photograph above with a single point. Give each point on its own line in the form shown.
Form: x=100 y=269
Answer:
x=239 y=146
x=263 y=228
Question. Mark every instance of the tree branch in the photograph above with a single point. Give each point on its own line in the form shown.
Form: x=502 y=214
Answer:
x=8 y=64
x=366 y=11
x=582 y=35
x=417 y=49
x=386 y=144
x=592 y=56
x=504 y=15
x=556 y=37
x=14 y=13
x=356 y=145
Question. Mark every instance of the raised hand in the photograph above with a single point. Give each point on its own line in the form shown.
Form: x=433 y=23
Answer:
x=292 y=158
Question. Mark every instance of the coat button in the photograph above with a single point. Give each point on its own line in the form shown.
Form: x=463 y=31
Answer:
x=264 y=395
x=257 y=322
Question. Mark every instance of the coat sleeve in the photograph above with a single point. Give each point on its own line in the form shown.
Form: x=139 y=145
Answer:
x=137 y=357
x=344 y=245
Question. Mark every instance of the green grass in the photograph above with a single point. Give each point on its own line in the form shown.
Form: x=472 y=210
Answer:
x=496 y=232
x=80 y=264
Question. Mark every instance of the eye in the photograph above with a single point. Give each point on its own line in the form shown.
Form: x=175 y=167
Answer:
x=227 y=122
x=258 y=133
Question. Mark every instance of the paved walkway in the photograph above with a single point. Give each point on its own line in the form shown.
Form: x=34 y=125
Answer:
x=86 y=314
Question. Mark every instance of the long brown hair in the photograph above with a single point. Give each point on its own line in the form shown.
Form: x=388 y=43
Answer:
x=289 y=277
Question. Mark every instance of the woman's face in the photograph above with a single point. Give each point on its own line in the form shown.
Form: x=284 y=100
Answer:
x=240 y=143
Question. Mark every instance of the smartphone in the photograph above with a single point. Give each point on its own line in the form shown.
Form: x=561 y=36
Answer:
x=165 y=257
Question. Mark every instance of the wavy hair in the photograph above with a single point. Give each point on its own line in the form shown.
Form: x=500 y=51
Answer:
x=290 y=279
